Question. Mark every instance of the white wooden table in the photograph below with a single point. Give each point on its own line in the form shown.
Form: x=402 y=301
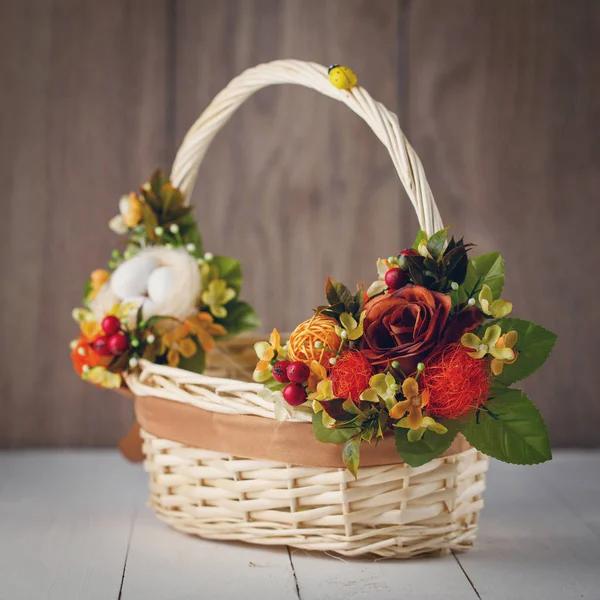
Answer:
x=74 y=525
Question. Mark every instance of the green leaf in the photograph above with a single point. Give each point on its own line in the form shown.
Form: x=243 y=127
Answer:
x=334 y=310
x=139 y=317
x=430 y=446
x=430 y=265
x=156 y=318
x=456 y=260
x=414 y=435
x=359 y=299
x=415 y=265
x=367 y=434
x=230 y=270
x=335 y=409
x=150 y=221
x=421 y=235
x=172 y=201
x=195 y=363
x=337 y=293
x=274 y=385
x=351 y=454
x=435 y=244
x=166 y=195
x=151 y=201
x=338 y=435
x=191 y=235
x=176 y=215
x=350 y=407
x=240 y=317
x=87 y=289
x=382 y=422
x=488 y=269
x=513 y=432
x=157 y=180
x=534 y=346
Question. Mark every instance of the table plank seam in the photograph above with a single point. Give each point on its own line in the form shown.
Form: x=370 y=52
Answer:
x=294 y=573
x=131 y=528
x=465 y=574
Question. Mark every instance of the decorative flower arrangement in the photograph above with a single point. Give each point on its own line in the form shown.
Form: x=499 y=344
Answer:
x=162 y=298
x=426 y=352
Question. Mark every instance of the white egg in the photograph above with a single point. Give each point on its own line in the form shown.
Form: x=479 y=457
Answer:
x=131 y=278
x=151 y=309
x=160 y=284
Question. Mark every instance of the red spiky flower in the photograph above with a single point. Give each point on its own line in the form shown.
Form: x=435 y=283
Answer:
x=456 y=382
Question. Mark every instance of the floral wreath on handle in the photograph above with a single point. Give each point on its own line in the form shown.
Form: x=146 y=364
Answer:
x=426 y=352
x=162 y=298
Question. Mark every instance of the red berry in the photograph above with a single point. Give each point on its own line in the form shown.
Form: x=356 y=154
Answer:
x=294 y=394
x=280 y=371
x=100 y=346
x=298 y=372
x=118 y=343
x=396 y=278
x=110 y=325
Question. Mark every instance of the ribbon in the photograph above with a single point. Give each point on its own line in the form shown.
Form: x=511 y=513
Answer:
x=249 y=436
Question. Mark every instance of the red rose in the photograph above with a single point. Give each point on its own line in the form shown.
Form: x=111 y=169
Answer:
x=408 y=324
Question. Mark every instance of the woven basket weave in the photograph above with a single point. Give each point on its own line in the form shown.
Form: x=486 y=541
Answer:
x=389 y=511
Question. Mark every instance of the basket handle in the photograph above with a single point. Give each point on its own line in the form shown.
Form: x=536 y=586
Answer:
x=383 y=123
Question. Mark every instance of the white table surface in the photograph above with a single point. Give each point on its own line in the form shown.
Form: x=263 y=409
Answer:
x=74 y=525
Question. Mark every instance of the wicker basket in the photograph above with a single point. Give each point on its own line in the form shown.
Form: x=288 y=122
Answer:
x=391 y=510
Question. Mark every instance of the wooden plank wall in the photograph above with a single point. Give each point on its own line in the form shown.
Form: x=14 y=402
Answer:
x=500 y=98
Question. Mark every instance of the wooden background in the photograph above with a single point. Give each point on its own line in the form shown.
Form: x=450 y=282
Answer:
x=501 y=98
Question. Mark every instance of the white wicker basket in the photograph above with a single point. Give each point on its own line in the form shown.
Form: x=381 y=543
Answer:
x=390 y=510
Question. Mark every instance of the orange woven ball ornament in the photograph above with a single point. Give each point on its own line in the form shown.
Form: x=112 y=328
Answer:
x=456 y=382
x=302 y=344
x=350 y=375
